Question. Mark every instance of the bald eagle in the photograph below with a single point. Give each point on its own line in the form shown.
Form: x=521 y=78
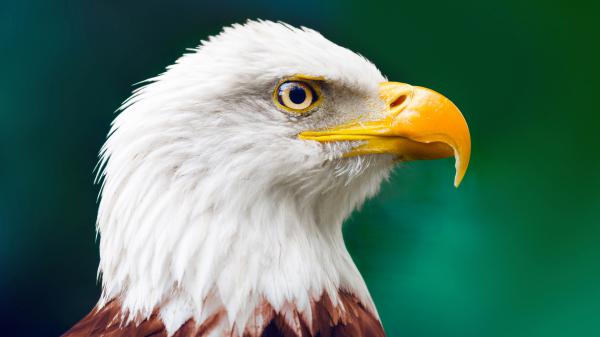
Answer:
x=226 y=179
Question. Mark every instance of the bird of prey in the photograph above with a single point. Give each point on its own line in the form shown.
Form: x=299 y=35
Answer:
x=226 y=179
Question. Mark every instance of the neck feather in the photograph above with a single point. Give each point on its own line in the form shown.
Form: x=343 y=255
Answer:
x=188 y=258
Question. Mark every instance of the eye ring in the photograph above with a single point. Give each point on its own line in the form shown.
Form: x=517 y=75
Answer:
x=297 y=95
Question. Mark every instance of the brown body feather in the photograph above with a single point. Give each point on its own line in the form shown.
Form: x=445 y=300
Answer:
x=349 y=319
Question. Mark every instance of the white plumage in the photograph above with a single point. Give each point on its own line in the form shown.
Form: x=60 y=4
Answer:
x=210 y=200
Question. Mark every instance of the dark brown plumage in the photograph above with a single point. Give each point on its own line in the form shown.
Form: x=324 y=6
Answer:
x=349 y=319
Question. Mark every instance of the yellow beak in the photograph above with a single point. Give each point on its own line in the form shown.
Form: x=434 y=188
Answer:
x=417 y=124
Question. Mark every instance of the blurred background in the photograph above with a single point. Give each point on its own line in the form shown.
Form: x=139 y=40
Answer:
x=515 y=251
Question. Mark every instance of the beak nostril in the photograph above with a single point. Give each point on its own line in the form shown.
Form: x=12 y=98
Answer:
x=398 y=101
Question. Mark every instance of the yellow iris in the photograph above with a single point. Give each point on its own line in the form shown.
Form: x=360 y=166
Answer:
x=297 y=95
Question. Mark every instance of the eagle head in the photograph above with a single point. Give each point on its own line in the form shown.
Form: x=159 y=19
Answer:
x=226 y=179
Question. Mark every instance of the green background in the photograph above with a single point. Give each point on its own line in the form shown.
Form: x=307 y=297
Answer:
x=515 y=251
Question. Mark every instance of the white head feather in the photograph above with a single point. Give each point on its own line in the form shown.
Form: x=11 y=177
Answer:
x=210 y=200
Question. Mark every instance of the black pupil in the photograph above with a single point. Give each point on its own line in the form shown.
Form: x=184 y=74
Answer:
x=297 y=94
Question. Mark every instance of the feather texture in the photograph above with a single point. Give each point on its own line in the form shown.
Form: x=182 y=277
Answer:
x=349 y=319
x=212 y=209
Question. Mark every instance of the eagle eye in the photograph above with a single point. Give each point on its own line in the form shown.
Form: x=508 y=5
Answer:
x=297 y=96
